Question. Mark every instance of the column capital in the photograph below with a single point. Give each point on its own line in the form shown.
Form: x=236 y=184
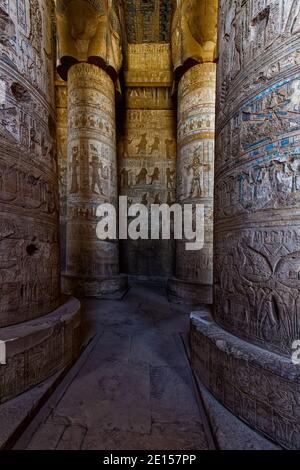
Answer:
x=89 y=31
x=194 y=34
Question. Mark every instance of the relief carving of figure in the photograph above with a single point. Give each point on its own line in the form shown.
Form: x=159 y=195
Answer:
x=96 y=181
x=155 y=176
x=155 y=146
x=142 y=146
x=170 y=178
x=142 y=176
x=74 y=167
x=7 y=28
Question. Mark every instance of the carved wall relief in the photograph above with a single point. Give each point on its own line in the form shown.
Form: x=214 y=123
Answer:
x=29 y=257
x=147 y=152
x=147 y=172
x=257 y=172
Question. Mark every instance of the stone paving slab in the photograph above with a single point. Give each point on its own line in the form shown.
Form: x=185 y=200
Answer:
x=134 y=390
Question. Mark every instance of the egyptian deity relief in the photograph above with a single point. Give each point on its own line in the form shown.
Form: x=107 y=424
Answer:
x=194 y=31
x=28 y=167
x=90 y=31
x=257 y=172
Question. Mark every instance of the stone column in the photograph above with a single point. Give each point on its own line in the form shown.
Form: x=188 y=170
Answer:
x=41 y=337
x=61 y=94
x=90 y=58
x=244 y=355
x=195 y=141
x=92 y=264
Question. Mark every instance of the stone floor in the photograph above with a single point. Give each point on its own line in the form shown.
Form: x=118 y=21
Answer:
x=135 y=389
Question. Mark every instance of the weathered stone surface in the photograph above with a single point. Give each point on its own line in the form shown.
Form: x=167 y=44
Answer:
x=39 y=348
x=192 y=293
x=92 y=264
x=256 y=260
x=194 y=32
x=147 y=152
x=257 y=173
x=259 y=386
x=61 y=94
x=127 y=397
x=17 y=412
x=29 y=252
x=89 y=31
x=230 y=432
x=195 y=181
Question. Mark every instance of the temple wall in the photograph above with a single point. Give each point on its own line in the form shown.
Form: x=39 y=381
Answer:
x=147 y=152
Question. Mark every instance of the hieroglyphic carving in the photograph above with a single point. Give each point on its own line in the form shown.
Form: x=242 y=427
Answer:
x=195 y=165
x=28 y=166
x=148 y=20
x=260 y=387
x=92 y=170
x=257 y=172
x=147 y=170
x=62 y=157
x=147 y=151
x=148 y=65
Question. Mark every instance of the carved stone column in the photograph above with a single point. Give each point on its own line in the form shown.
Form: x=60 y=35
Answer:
x=61 y=95
x=244 y=355
x=90 y=58
x=40 y=336
x=92 y=179
x=193 y=40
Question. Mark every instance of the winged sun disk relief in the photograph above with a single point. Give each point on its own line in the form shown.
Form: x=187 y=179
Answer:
x=256 y=268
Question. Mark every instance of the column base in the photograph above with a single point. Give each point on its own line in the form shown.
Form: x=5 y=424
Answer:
x=189 y=292
x=113 y=288
x=259 y=387
x=38 y=349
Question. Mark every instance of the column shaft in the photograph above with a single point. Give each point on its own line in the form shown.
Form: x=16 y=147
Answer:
x=38 y=336
x=195 y=184
x=245 y=356
x=29 y=252
x=92 y=178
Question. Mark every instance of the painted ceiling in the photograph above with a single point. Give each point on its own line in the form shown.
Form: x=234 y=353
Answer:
x=148 y=20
